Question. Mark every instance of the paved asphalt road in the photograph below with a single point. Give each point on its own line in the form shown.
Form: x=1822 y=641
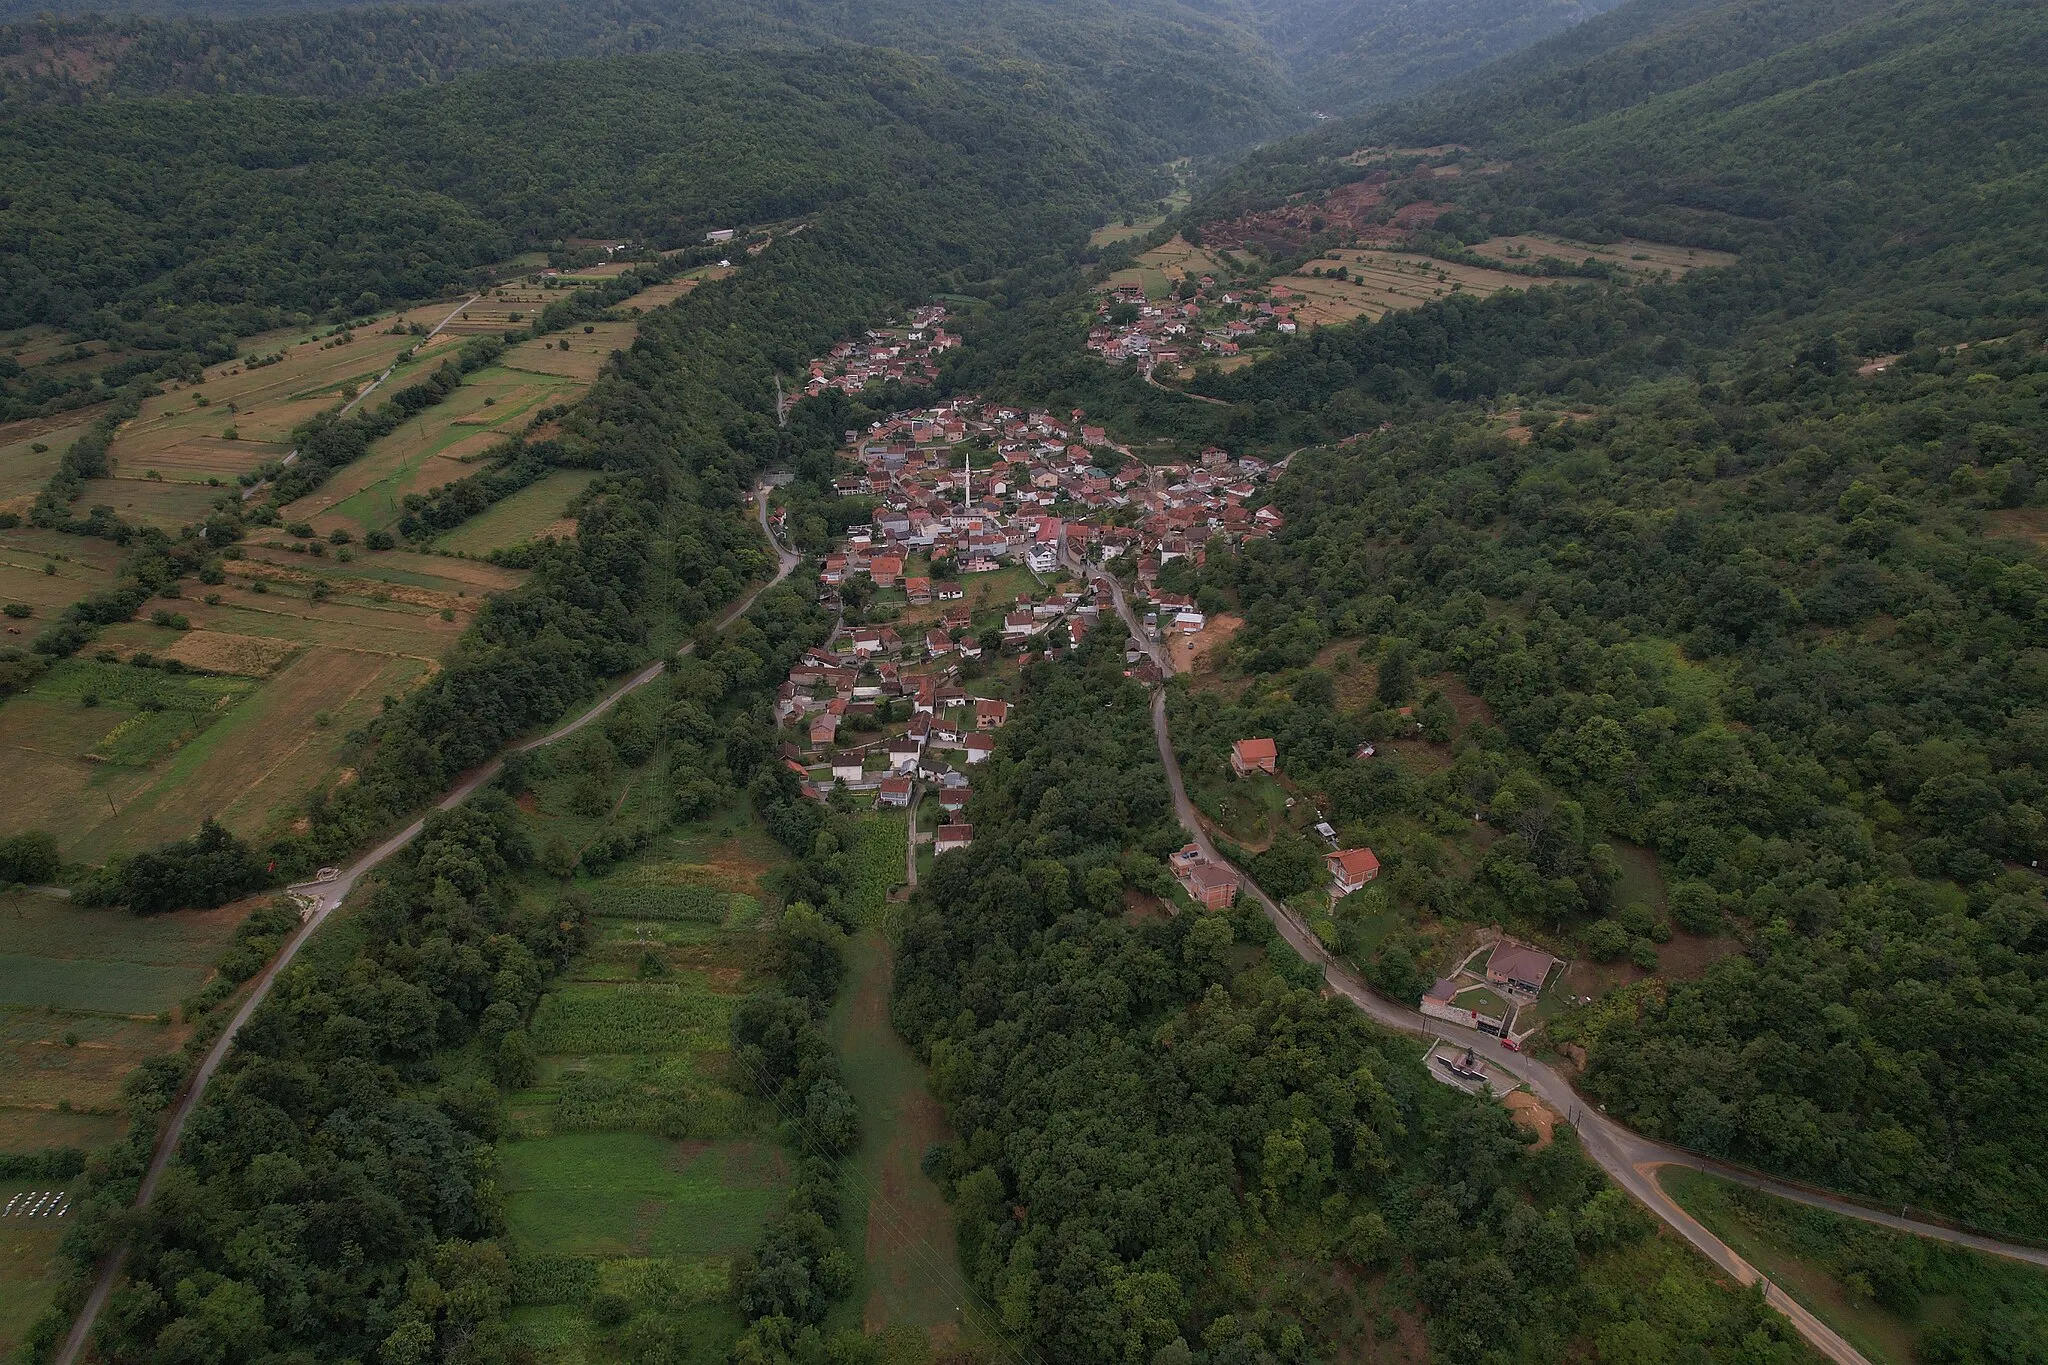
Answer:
x=328 y=895
x=1629 y=1159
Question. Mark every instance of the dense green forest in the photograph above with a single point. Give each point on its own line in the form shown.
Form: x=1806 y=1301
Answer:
x=1759 y=627
x=1345 y=56
x=1171 y=1147
x=1725 y=591
x=1879 y=165
x=163 y=222
x=1175 y=76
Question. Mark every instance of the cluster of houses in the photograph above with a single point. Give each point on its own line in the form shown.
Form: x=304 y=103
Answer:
x=909 y=353
x=980 y=486
x=1175 y=330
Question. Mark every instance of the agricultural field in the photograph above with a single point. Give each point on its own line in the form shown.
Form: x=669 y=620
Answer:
x=437 y=446
x=634 y=1164
x=85 y=997
x=1383 y=282
x=1166 y=265
x=639 y=1195
x=1897 y=1299
x=1650 y=260
x=181 y=435
x=443 y=443
x=301 y=650
x=535 y=512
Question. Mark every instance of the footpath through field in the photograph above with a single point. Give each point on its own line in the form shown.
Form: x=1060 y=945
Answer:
x=292 y=456
x=327 y=896
x=1629 y=1158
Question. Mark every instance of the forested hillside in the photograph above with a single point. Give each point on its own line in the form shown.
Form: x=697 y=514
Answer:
x=1345 y=56
x=167 y=223
x=1173 y=1148
x=1742 y=568
x=1181 y=76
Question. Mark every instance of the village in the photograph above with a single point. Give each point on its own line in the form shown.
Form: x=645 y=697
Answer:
x=991 y=529
x=994 y=535
x=1195 y=319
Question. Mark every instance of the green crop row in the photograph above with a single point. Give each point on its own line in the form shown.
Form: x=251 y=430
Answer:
x=632 y=1017
x=694 y=904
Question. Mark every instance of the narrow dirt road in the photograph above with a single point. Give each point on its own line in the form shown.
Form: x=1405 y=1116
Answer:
x=328 y=895
x=1629 y=1159
x=292 y=456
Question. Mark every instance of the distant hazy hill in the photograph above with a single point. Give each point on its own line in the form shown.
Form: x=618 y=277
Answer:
x=1905 y=137
x=1184 y=75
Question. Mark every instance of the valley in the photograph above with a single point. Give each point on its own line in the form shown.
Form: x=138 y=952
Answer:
x=1188 y=686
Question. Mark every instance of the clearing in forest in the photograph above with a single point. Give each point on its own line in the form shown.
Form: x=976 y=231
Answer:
x=906 y=1233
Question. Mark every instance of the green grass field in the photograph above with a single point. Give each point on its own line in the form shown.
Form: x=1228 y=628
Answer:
x=519 y=518
x=111 y=987
x=30 y=1274
x=633 y=1194
x=1898 y=1299
x=897 y=1222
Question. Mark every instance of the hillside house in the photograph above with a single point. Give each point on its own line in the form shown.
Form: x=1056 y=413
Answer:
x=952 y=836
x=1208 y=884
x=979 y=747
x=1350 y=870
x=1518 y=966
x=990 y=713
x=895 y=793
x=1248 y=756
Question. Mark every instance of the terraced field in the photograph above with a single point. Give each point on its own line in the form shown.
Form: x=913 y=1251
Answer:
x=306 y=650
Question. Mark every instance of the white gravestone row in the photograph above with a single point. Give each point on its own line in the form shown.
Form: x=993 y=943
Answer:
x=37 y=1204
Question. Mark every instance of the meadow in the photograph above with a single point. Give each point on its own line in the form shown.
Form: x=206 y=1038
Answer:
x=533 y=513
x=636 y=1194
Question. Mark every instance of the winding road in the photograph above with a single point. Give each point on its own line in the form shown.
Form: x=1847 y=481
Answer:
x=1629 y=1159
x=326 y=896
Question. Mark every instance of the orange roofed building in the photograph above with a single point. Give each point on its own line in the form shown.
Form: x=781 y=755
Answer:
x=1249 y=756
x=1350 y=869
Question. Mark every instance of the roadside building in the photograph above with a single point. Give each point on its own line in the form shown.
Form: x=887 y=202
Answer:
x=1249 y=756
x=1350 y=870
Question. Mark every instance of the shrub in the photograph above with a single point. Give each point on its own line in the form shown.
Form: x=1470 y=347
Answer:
x=1605 y=941
x=20 y=611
